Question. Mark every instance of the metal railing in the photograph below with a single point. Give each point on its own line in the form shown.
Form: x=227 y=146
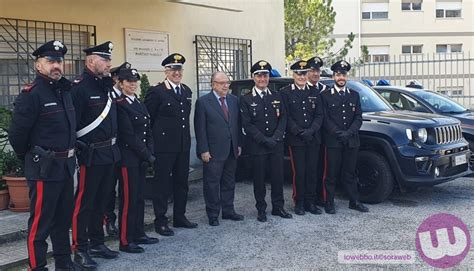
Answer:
x=230 y=55
x=19 y=38
x=448 y=73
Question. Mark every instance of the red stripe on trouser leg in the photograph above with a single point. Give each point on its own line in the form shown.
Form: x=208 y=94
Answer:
x=34 y=226
x=325 y=168
x=126 y=202
x=77 y=207
x=293 y=171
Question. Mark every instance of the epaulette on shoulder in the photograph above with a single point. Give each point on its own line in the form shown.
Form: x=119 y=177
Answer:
x=77 y=80
x=246 y=92
x=28 y=87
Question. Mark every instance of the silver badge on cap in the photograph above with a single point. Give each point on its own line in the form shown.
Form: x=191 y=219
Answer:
x=57 y=44
x=134 y=72
x=111 y=46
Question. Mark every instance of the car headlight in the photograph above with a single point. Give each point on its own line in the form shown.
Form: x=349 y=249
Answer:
x=409 y=134
x=422 y=135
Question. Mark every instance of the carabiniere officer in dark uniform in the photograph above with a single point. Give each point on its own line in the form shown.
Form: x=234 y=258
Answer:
x=342 y=121
x=96 y=115
x=264 y=122
x=109 y=215
x=43 y=134
x=305 y=118
x=136 y=146
x=169 y=105
x=314 y=74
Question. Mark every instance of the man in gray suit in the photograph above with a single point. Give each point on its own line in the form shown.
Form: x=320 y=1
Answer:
x=218 y=135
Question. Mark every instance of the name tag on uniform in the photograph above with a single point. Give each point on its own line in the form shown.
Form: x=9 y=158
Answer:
x=50 y=104
x=94 y=97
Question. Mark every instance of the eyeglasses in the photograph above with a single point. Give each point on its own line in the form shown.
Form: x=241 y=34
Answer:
x=227 y=83
x=301 y=73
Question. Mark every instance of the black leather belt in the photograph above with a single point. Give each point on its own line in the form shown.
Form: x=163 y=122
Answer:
x=103 y=144
x=64 y=154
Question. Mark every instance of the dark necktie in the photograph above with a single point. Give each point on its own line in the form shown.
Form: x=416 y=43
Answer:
x=178 y=90
x=342 y=93
x=224 y=108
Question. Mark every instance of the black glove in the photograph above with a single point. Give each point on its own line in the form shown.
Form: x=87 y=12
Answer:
x=269 y=142
x=307 y=135
x=343 y=135
x=151 y=160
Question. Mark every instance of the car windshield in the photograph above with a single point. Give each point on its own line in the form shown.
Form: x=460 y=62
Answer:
x=370 y=100
x=441 y=102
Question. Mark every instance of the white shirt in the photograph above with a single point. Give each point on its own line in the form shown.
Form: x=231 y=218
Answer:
x=174 y=86
x=259 y=92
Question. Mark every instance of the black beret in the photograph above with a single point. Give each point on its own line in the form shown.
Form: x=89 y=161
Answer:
x=174 y=61
x=299 y=66
x=115 y=70
x=315 y=62
x=261 y=66
x=51 y=49
x=341 y=66
x=129 y=75
x=104 y=50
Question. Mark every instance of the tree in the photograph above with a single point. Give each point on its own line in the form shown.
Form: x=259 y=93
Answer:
x=144 y=86
x=308 y=26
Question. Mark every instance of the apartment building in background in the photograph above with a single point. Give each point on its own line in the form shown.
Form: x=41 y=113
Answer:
x=425 y=40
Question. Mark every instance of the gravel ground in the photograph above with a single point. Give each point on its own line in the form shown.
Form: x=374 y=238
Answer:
x=304 y=242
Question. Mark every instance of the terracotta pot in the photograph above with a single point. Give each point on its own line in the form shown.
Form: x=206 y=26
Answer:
x=18 y=189
x=4 y=199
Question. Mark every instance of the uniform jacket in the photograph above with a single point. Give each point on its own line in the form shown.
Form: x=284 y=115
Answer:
x=134 y=131
x=169 y=114
x=214 y=134
x=44 y=116
x=341 y=113
x=90 y=94
x=262 y=117
x=319 y=86
x=304 y=112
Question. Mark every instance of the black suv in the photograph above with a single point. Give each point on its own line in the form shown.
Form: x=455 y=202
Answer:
x=398 y=149
x=421 y=100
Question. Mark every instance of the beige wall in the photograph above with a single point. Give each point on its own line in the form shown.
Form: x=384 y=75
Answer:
x=259 y=20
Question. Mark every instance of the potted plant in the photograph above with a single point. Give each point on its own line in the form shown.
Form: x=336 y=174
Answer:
x=11 y=168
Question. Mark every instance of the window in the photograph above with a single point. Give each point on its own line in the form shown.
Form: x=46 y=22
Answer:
x=412 y=49
x=448 y=48
x=448 y=9
x=411 y=4
x=375 y=11
x=378 y=54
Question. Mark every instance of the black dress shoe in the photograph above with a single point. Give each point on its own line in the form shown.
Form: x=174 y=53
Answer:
x=111 y=229
x=84 y=260
x=262 y=216
x=132 y=248
x=102 y=251
x=69 y=267
x=164 y=230
x=329 y=208
x=146 y=240
x=213 y=221
x=311 y=207
x=358 y=206
x=281 y=213
x=234 y=216
x=299 y=209
x=184 y=223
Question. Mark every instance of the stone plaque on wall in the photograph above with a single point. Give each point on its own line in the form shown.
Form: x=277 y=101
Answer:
x=145 y=49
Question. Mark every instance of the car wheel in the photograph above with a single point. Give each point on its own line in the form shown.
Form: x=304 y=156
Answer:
x=375 y=177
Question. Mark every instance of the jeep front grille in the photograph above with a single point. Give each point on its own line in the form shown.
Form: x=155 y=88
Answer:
x=448 y=134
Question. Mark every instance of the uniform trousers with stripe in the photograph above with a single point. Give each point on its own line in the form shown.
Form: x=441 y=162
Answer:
x=51 y=206
x=342 y=166
x=305 y=172
x=110 y=216
x=171 y=177
x=94 y=187
x=322 y=172
x=132 y=204
x=272 y=163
